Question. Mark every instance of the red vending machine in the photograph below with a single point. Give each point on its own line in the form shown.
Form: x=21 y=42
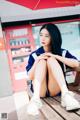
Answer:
x=19 y=44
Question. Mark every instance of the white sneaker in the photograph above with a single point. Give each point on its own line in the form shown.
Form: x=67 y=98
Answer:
x=69 y=102
x=62 y=100
x=34 y=106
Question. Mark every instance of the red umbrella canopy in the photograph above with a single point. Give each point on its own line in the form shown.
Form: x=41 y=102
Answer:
x=43 y=4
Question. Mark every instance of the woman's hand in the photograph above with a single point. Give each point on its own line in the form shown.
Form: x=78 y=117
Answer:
x=45 y=56
x=48 y=54
x=42 y=56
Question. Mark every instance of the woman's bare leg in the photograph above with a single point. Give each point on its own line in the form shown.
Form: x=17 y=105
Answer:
x=67 y=99
x=53 y=86
x=56 y=78
x=39 y=81
x=40 y=88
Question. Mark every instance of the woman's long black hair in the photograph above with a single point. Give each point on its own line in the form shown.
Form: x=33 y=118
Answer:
x=56 y=40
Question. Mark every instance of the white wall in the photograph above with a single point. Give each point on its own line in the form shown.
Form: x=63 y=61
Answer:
x=5 y=79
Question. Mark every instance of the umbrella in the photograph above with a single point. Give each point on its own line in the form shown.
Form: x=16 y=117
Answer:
x=43 y=4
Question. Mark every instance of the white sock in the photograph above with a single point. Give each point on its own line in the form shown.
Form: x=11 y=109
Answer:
x=36 y=86
x=64 y=89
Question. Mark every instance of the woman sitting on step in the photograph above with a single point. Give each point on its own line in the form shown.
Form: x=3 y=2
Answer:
x=46 y=70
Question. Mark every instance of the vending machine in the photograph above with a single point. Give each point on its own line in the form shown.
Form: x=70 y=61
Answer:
x=19 y=44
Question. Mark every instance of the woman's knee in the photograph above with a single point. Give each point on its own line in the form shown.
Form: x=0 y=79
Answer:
x=51 y=61
x=42 y=62
x=41 y=66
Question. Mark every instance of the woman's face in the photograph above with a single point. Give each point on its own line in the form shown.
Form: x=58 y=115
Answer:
x=45 y=38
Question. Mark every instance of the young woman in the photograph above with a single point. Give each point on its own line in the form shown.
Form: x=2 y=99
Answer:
x=46 y=70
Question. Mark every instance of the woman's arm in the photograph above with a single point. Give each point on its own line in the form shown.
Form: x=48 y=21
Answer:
x=68 y=61
x=71 y=62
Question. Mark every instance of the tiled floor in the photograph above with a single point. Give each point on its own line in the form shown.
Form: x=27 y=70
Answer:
x=12 y=105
